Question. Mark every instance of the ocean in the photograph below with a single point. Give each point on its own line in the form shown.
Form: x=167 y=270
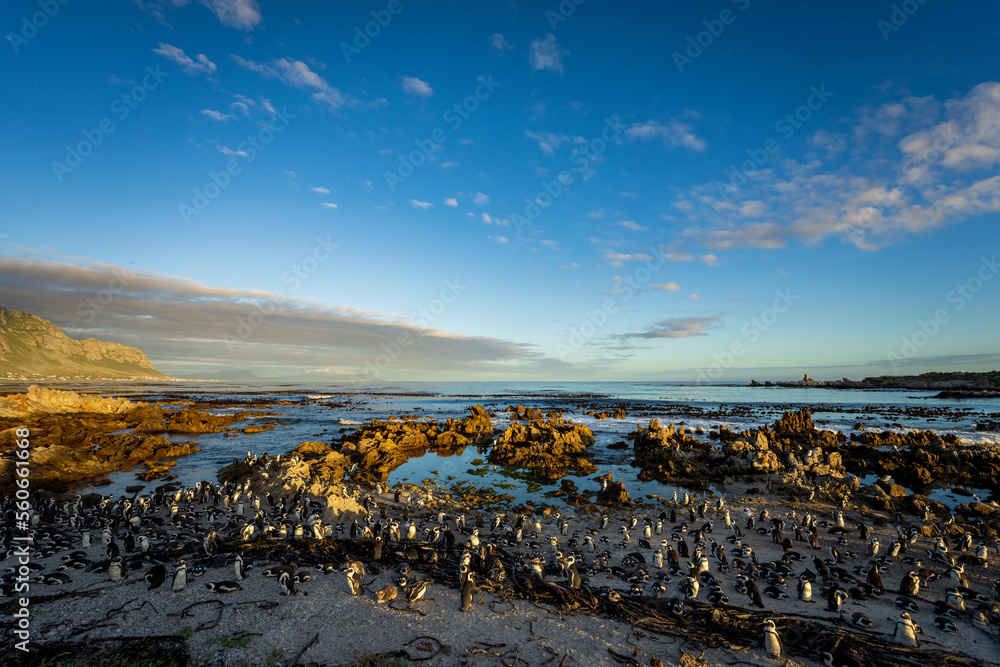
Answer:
x=322 y=411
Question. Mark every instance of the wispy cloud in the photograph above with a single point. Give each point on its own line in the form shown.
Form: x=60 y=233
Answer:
x=200 y=63
x=547 y=141
x=216 y=115
x=616 y=258
x=480 y=198
x=499 y=44
x=665 y=287
x=631 y=224
x=546 y=54
x=420 y=204
x=329 y=204
x=296 y=74
x=414 y=86
x=182 y=324
x=239 y=14
x=673 y=133
x=321 y=190
x=451 y=202
x=679 y=327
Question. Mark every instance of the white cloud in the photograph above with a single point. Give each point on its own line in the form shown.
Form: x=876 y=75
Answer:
x=414 y=86
x=616 y=258
x=449 y=165
x=230 y=152
x=549 y=244
x=674 y=133
x=679 y=327
x=420 y=204
x=693 y=297
x=665 y=287
x=916 y=165
x=631 y=224
x=502 y=239
x=499 y=44
x=547 y=141
x=329 y=205
x=322 y=191
x=239 y=14
x=629 y=195
x=451 y=202
x=296 y=74
x=487 y=219
x=547 y=54
x=200 y=63
x=480 y=198
x=215 y=115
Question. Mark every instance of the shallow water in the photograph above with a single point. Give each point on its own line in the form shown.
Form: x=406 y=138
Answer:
x=323 y=410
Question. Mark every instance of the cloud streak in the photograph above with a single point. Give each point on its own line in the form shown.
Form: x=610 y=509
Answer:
x=183 y=325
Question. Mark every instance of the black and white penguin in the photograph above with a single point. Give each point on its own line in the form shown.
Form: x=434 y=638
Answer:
x=772 y=641
x=805 y=589
x=223 y=587
x=355 y=575
x=906 y=604
x=180 y=577
x=238 y=570
x=287 y=582
x=906 y=632
x=945 y=624
x=468 y=592
x=861 y=620
x=835 y=598
x=116 y=569
x=156 y=576
x=574 y=574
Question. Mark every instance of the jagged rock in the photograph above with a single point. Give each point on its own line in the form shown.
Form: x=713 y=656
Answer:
x=551 y=448
x=54 y=401
x=614 y=494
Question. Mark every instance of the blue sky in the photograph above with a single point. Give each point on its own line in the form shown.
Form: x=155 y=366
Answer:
x=724 y=190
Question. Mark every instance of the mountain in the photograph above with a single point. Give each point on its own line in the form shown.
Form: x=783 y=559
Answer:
x=35 y=349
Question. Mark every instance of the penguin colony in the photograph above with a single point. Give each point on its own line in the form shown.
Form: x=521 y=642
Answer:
x=693 y=550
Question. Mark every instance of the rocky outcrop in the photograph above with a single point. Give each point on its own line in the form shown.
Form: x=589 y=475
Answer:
x=79 y=438
x=36 y=348
x=922 y=460
x=380 y=447
x=551 y=448
x=613 y=494
x=795 y=445
x=40 y=400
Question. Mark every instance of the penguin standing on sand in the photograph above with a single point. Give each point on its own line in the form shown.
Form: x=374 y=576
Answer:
x=906 y=632
x=754 y=594
x=805 y=589
x=574 y=574
x=468 y=592
x=180 y=577
x=355 y=574
x=772 y=641
x=238 y=568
